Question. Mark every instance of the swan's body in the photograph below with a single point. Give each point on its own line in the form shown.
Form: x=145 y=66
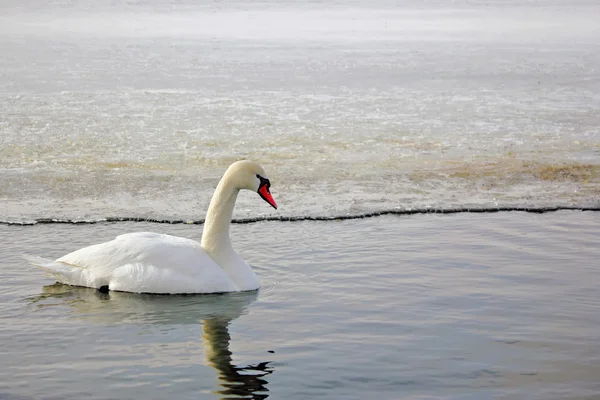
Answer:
x=157 y=263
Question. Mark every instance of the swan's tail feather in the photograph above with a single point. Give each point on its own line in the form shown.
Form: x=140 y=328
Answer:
x=37 y=261
x=61 y=272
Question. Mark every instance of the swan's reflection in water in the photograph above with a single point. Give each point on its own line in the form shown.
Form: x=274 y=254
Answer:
x=215 y=312
x=237 y=382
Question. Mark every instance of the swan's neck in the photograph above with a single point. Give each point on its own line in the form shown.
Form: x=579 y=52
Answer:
x=216 y=241
x=215 y=238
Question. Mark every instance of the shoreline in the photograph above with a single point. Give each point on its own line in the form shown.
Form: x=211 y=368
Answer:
x=460 y=210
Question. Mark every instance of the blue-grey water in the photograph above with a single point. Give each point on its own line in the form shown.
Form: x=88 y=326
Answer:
x=462 y=306
x=134 y=110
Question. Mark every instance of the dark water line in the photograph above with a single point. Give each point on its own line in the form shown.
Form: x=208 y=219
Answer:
x=535 y=210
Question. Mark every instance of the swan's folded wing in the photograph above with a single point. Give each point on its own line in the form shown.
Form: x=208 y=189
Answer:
x=150 y=262
x=161 y=251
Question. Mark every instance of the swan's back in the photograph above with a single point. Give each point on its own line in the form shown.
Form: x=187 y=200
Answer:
x=144 y=262
x=142 y=247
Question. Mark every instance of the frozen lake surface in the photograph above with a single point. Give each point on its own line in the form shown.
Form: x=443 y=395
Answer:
x=136 y=109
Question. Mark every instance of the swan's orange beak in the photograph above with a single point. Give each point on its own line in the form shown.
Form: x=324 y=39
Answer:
x=264 y=192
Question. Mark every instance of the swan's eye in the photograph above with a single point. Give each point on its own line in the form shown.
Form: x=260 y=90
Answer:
x=263 y=182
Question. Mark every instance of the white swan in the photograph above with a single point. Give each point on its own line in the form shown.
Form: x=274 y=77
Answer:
x=146 y=262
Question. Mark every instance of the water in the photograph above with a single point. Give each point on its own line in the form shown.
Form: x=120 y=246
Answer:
x=136 y=109
x=464 y=306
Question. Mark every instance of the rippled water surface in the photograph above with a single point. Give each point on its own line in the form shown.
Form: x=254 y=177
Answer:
x=462 y=306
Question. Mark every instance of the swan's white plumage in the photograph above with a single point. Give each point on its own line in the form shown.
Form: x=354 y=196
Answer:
x=146 y=262
x=158 y=263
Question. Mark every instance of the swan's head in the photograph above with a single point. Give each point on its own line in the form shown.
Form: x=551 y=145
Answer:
x=249 y=175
